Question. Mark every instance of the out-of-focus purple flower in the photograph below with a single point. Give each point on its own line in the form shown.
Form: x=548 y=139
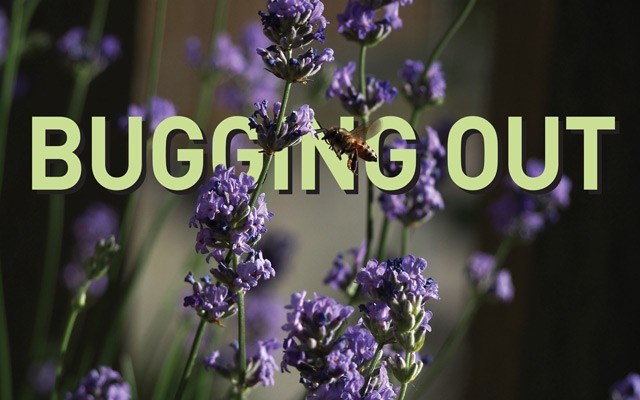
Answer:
x=296 y=125
x=278 y=247
x=261 y=365
x=74 y=46
x=626 y=389
x=159 y=110
x=99 y=221
x=294 y=23
x=101 y=384
x=343 y=272
x=502 y=287
x=296 y=69
x=264 y=315
x=480 y=267
x=4 y=35
x=524 y=215
x=368 y=23
x=225 y=57
x=223 y=216
x=212 y=301
x=381 y=3
x=254 y=82
x=42 y=376
x=344 y=88
x=423 y=89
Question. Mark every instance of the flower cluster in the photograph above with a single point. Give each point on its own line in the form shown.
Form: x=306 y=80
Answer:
x=101 y=384
x=418 y=204
x=343 y=273
x=524 y=215
x=420 y=88
x=223 y=216
x=482 y=274
x=292 y=24
x=296 y=125
x=370 y=22
x=245 y=77
x=157 y=111
x=395 y=312
x=99 y=221
x=627 y=389
x=261 y=365
x=313 y=327
x=212 y=302
x=76 y=49
x=4 y=35
x=344 y=88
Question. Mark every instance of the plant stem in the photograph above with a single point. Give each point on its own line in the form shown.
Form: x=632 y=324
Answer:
x=384 y=234
x=5 y=355
x=242 y=344
x=209 y=82
x=415 y=117
x=403 y=391
x=12 y=62
x=362 y=67
x=453 y=29
x=283 y=106
x=362 y=73
x=77 y=305
x=193 y=354
x=405 y=241
x=156 y=50
x=372 y=368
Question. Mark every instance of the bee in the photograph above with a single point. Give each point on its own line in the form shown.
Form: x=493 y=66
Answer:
x=352 y=143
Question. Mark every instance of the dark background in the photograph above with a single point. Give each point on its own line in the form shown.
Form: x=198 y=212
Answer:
x=574 y=327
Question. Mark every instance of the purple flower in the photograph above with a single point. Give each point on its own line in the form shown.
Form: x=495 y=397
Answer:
x=74 y=47
x=42 y=376
x=626 y=389
x=381 y=3
x=423 y=89
x=223 y=216
x=360 y=342
x=101 y=384
x=99 y=221
x=211 y=301
x=418 y=204
x=294 y=69
x=523 y=214
x=251 y=270
x=296 y=125
x=480 y=267
x=261 y=365
x=502 y=287
x=278 y=247
x=343 y=272
x=253 y=82
x=264 y=316
x=225 y=57
x=4 y=35
x=344 y=88
x=294 y=23
x=367 y=24
x=160 y=110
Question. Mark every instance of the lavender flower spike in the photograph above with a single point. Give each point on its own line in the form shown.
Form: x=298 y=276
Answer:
x=291 y=24
x=361 y=22
x=294 y=69
x=344 y=87
x=101 y=384
x=296 y=125
x=159 y=110
x=420 y=89
x=74 y=47
x=261 y=365
x=212 y=302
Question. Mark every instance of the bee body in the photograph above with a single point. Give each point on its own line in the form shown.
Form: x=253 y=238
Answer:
x=342 y=141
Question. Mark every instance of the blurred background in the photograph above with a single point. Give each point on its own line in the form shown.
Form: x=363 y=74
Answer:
x=573 y=328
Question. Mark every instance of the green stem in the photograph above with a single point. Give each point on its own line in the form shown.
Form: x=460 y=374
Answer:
x=12 y=62
x=98 y=18
x=362 y=67
x=209 y=82
x=372 y=368
x=403 y=391
x=415 y=117
x=76 y=306
x=405 y=241
x=193 y=354
x=242 y=344
x=384 y=235
x=453 y=29
x=283 y=106
x=5 y=356
x=156 y=50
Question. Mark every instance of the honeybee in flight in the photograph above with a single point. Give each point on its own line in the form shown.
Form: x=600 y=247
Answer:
x=352 y=143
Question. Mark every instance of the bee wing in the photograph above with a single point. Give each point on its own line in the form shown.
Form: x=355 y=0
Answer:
x=360 y=132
